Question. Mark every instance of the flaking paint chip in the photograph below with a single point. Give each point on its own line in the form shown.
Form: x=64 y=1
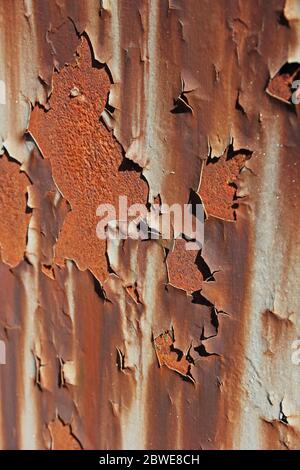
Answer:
x=69 y=371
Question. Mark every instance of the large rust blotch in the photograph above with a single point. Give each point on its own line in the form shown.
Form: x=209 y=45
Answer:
x=13 y=216
x=85 y=158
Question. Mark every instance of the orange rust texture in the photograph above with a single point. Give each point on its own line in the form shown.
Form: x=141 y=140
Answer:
x=61 y=436
x=85 y=158
x=95 y=347
x=280 y=86
x=13 y=217
x=219 y=185
x=169 y=357
x=183 y=269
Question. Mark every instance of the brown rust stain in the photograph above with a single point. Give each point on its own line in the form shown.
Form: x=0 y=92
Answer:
x=62 y=437
x=277 y=435
x=168 y=356
x=280 y=86
x=182 y=268
x=13 y=217
x=88 y=165
x=219 y=184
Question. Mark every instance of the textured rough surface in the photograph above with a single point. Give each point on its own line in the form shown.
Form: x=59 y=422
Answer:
x=184 y=267
x=219 y=184
x=13 y=217
x=142 y=344
x=86 y=159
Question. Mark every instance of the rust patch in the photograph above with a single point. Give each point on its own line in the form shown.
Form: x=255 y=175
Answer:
x=13 y=217
x=280 y=86
x=171 y=357
x=182 y=268
x=219 y=183
x=62 y=437
x=88 y=165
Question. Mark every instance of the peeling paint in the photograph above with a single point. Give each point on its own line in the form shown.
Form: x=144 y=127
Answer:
x=124 y=344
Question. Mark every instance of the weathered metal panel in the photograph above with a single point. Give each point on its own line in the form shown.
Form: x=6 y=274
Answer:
x=142 y=344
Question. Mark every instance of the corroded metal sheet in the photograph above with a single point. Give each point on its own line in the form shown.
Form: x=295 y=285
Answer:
x=142 y=344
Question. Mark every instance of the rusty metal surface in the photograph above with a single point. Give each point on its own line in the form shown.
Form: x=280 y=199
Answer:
x=135 y=344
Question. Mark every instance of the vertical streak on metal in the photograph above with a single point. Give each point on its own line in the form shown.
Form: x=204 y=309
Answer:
x=116 y=41
x=27 y=405
x=150 y=286
x=151 y=85
x=134 y=426
x=265 y=271
x=71 y=302
x=131 y=419
x=292 y=12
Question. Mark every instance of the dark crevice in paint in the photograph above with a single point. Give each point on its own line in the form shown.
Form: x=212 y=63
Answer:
x=28 y=209
x=45 y=107
x=282 y=19
x=189 y=357
x=181 y=105
x=94 y=62
x=120 y=359
x=60 y=378
x=9 y=157
x=202 y=351
x=177 y=351
x=109 y=268
x=129 y=165
x=212 y=160
x=232 y=184
x=231 y=153
x=108 y=107
x=203 y=267
x=188 y=377
x=98 y=288
x=289 y=68
x=194 y=201
x=214 y=318
x=198 y=298
x=238 y=105
x=282 y=416
x=26 y=259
